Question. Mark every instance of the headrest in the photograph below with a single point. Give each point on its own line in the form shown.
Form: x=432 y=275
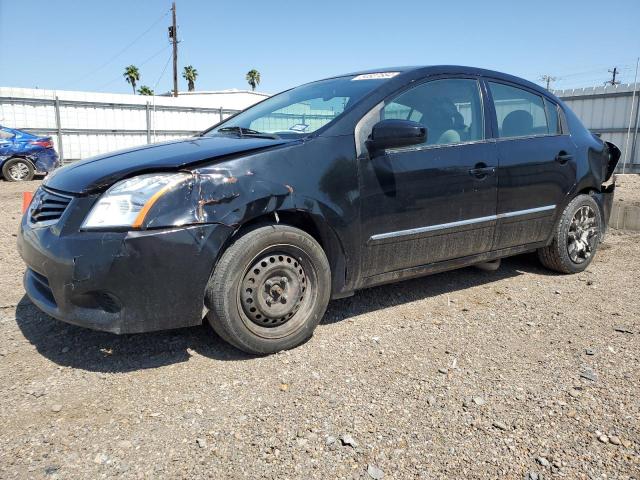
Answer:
x=517 y=124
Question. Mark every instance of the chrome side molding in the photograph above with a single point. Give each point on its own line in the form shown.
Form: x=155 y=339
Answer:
x=459 y=223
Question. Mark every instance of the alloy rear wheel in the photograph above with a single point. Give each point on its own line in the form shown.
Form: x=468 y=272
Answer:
x=576 y=237
x=582 y=237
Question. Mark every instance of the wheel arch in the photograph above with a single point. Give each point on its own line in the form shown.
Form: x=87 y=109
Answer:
x=314 y=225
x=21 y=157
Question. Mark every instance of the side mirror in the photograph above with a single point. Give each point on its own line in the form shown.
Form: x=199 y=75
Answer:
x=396 y=133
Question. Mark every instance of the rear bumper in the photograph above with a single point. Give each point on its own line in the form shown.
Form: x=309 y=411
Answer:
x=605 y=202
x=121 y=282
x=46 y=161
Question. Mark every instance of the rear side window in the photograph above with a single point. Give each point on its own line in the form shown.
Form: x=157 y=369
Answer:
x=519 y=112
x=451 y=109
x=553 y=118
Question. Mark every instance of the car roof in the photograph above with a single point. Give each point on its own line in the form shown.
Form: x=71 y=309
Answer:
x=427 y=70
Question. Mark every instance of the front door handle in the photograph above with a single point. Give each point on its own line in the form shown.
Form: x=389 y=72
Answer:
x=481 y=170
x=563 y=157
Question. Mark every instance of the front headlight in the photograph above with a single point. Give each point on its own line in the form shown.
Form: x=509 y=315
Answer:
x=127 y=202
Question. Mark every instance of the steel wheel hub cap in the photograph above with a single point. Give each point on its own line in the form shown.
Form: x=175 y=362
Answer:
x=273 y=289
x=18 y=171
x=583 y=235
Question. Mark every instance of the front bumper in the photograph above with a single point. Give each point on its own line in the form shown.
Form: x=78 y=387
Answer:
x=120 y=282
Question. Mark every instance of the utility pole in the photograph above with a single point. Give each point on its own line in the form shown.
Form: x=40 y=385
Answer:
x=173 y=36
x=548 y=79
x=613 y=73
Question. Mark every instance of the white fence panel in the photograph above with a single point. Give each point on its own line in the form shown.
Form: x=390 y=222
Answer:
x=84 y=124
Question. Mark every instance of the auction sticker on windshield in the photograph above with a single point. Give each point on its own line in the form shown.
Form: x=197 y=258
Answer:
x=375 y=76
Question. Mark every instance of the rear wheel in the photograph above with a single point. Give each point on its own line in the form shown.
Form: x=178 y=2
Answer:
x=269 y=290
x=17 y=170
x=576 y=237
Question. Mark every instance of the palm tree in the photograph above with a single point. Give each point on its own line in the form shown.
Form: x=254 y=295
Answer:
x=144 y=90
x=253 y=77
x=132 y=75
x=190 y=74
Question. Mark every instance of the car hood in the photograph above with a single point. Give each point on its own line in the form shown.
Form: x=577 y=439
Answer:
x=99 y=172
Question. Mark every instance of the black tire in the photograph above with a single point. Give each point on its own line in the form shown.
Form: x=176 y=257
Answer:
x=562 y=255
x=269 y=290
x=17 y=170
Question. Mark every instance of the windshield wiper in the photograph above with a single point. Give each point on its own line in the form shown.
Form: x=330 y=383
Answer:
x=247 y=132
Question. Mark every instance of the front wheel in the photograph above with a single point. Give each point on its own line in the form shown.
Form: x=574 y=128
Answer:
x=269 y=290
x=17 y=170
x=576 y=237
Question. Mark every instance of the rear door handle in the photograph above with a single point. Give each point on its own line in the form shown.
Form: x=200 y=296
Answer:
x=563 y=157
x=481 y=170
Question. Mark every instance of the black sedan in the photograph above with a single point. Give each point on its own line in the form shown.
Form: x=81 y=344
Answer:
x=324 y=189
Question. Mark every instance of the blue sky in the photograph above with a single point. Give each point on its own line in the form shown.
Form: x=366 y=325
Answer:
x=85 y=45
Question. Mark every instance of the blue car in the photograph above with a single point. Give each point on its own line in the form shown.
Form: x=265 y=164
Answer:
x=23 y=155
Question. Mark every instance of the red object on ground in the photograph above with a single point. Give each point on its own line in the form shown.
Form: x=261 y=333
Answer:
x=26 y=200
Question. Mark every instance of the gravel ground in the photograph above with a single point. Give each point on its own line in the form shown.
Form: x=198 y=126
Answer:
x=518 y=373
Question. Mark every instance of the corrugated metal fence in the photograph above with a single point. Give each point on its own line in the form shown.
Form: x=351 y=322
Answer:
x=612 y=112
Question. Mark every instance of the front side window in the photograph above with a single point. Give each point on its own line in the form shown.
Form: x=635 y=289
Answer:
x=519 y=113
x=450 y=109
x=302 y=110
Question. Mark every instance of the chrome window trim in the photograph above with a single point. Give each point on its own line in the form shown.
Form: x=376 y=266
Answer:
x=433 y=146
x=531 y=137
x=459 y=223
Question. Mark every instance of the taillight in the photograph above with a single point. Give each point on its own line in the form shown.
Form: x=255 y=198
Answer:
x=42 y=143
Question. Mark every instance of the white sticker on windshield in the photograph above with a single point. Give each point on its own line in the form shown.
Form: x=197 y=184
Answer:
x=299 y=127
x=375 y=76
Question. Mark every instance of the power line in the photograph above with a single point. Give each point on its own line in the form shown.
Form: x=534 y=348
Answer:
x=93 y=72
x=584 y=76
x=585 y=69
x=548 y=79
x=155 y=85
x=139 y=65
x=164 y=69
x=613 y=73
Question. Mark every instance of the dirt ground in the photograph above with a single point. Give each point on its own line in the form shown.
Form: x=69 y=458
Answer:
x=628 y=189
x=518 y=373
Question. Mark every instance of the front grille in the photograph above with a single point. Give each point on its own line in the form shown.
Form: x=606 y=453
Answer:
x=47 y=206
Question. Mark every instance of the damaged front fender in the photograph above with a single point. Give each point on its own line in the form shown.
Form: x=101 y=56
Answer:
x=215 y=195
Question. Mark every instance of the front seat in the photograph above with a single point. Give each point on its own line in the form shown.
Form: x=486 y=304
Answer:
x=518 y=123
x=439 y=120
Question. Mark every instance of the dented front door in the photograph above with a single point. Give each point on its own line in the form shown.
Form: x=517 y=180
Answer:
x=435 y=201
x=427 y=205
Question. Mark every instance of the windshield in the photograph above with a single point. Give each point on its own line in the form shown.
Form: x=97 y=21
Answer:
x=301 y=110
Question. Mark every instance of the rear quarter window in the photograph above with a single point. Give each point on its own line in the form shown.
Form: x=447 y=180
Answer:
x=6 y=135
